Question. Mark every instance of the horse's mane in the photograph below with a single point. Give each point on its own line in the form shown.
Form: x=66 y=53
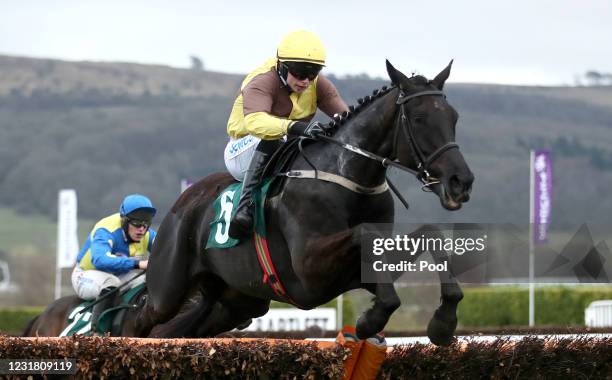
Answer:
x=341 y=119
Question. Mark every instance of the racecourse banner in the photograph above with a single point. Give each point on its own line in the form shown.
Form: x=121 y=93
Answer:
x=542 y=194
x=67 y=240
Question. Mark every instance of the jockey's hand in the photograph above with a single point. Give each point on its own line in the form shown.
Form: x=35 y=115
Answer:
x=142 y=264
x=312 y=130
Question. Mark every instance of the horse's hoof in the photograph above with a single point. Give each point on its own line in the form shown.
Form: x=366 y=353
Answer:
x=363 y=329
x=441 y=331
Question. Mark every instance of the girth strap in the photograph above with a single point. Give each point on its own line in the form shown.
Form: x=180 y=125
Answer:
x=270 y=277
x=337 y=179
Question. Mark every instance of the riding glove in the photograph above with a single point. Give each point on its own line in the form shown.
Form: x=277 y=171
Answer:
x=312 y=130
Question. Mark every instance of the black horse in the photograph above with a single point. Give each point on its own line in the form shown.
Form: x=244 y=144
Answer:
x=314 y=225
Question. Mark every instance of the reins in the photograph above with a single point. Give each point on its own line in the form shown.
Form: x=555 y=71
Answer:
x=113 y=292
x=403 y=124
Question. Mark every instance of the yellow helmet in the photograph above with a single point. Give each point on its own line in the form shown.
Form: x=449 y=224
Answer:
x=301 y=46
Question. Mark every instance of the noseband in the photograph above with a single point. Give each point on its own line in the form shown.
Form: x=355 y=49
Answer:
x=404 y=125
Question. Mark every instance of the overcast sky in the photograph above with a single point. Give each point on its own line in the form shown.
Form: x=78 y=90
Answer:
x=546 y=42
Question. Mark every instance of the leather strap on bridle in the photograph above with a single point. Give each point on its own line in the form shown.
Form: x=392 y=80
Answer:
x=403 y=124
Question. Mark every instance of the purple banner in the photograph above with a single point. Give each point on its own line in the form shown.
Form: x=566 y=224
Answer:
x=542 y=195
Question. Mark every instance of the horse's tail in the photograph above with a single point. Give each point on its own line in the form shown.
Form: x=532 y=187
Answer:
x=185 y=323
x=29 y=327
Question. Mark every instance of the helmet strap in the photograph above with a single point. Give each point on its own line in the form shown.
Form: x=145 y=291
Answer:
x=124 y=227
x=282 y=70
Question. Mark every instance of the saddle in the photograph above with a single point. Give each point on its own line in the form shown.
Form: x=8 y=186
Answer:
x=111 y=320
x=280 y=162
x=226 y=202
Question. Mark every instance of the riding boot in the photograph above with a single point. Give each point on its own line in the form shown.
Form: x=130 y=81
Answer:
x=99 y=308
x=242 y=222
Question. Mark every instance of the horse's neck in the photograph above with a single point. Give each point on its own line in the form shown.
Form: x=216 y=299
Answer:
x=370 y=130
x=370 y=127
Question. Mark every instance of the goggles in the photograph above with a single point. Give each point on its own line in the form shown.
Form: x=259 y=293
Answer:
x=139 y=223
x=303 y=70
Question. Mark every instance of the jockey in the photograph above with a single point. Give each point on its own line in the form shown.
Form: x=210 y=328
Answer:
x=278 y=98
x=115 y=250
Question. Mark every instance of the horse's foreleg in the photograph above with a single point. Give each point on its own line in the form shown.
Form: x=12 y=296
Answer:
x=386 y=300
x=374 y=319
x=442 y=325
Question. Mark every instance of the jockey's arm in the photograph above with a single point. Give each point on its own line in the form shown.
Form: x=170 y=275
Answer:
x=258 y=119
x=102 y=257
x=143 y=264
x=266 y=126
x=328 y=99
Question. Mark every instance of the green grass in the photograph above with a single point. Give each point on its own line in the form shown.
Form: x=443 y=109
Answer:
x=509 y=305
x=32 y=234
x=14 y=320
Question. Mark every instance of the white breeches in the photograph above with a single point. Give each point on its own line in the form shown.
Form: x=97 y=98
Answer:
x=89 y=283
x=238 y=154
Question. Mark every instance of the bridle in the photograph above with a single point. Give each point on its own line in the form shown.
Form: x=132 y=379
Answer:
x=404 y=125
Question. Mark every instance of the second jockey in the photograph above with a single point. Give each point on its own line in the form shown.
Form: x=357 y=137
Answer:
x=117 y=247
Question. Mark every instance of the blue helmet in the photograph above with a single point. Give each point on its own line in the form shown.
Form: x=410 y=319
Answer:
x=134 y=202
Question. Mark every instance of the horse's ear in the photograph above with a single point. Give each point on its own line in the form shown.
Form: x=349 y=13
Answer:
x=396 y=76
x=439 y=80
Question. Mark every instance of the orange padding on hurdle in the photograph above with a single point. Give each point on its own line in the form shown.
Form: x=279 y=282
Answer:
x=366 y=357
x=355 y=347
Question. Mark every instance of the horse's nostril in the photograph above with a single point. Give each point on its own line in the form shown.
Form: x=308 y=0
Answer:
x=455 y=184
x=460 y=187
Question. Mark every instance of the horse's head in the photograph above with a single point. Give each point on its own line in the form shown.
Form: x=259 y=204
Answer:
x=424 y=137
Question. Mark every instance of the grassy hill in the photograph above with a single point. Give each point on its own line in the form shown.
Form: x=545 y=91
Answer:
x=28 y=77
x=108 y=129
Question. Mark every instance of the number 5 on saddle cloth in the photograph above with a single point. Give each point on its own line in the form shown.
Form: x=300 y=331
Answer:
x=227 y=202
x=225 y=207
